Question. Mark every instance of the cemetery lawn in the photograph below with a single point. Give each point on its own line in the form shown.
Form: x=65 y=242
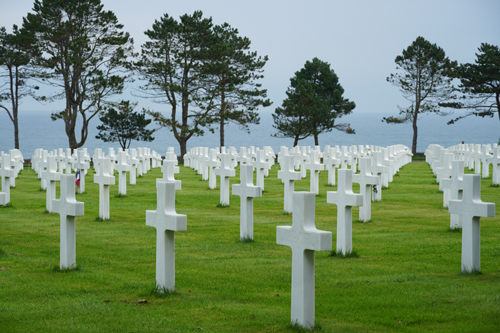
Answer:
x=406 y=277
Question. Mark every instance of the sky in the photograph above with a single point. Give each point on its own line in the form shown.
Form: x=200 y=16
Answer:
x=359 y=38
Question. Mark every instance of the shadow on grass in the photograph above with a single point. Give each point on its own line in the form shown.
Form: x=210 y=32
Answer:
x=246 y=240
x=341 y=255
x=296 y=327
x=9 y=205
x=119 y=195
x=98 y=219
x=57 y=269
x=457 y=230
x=161 y=292
x=219 y=205
x=474 y=272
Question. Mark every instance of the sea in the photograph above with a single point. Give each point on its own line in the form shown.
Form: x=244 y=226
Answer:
x=37 y=130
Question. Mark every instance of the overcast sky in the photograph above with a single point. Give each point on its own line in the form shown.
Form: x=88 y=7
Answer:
x=359 y=38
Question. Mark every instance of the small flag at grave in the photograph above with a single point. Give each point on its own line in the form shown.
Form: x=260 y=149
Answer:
x=77 y=178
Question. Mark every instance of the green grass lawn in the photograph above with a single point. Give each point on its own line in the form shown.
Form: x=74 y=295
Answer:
x=406 y=278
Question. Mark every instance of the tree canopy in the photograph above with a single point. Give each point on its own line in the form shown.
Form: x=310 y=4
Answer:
x=314 y=103
x=479 y=91
x=423 y=79
x=14 y=75
x=79 y=48
x=122 y=124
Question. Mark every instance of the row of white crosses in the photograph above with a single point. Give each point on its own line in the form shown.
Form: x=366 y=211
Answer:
x=462 y=196
x=475 y=156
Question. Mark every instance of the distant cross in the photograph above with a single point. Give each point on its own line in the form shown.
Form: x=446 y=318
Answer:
x=288 y=175
x=225 y=172
x=104 y=179
x=471 y=208
x=303 y=237
x=260 y=165
x=96 y=159
x=134 y=162
x=212 y=163
x=67 y=207
x=345 y=199
x=331 y=164
x=495 y=160
x=314 y=166
x=247 y=191
x=69 y=160
x=51 y=175
x=122 y=167
x=485 y=161
x=169 y=169
x=140 y=162
x=167 y=222
x=82 y=165
x=366 y=180
x=381 y=171
x=455 y=186
x=6 y=172
x=478 y=154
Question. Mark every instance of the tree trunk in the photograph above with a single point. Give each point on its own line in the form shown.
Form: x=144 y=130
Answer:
x=296 y=141
x=221 y=131
x=415 y=129
x=316 y=140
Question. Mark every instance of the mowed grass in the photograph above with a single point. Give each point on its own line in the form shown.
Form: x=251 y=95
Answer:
x=406 y=277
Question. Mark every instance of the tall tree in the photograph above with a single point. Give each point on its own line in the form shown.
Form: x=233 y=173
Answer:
x=232 y=72
x=171 y=65
x=480 y=85
x=423 y=80
x=83 y=52
x=122 y=124
x=314 y=102
x=14 y=61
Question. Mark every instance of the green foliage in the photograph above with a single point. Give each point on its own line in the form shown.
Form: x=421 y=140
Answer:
x=124 y=125
x=14 y=61
x=314 y=102
x=423 y=79
x=79 y=48
x=479 y=91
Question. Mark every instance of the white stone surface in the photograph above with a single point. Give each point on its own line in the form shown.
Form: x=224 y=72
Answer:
x=455 y=186
x=471 y=208
x=495 y=160
x=246 y=191
x=51 y=175
x=82 y=165
x=225 y=172
x=122 y=167
x=303 y=237
x=212 y=163
x=6 y=172
x=104 y=179
x=314 y=166
x=166 y=221
x=345 y=199
x=366 y=180
x=288 y=176
x=169 y=169
x=67 y=207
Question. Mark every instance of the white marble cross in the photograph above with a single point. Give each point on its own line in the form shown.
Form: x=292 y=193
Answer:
x=67 y=207
x=212 y=163
x=225 y=172
x=6 y=172
x=96 y=159
x=331 y=164
x=471 y=208
x=104 y=179
x=495 y=160
x=247 y=191
x=51 y=175
x=314 y=166
x=166 y=221
x=455 y=186
x=345 y=199
x=288 y=175
x=169 y=169
x=83 y=166
x=303 y=237
x=134 y=162
x=260 y=165
x=366 y=180
x=122 y=167
x=381 y=171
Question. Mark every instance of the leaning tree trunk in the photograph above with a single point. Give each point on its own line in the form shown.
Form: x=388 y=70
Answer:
x=415 y=131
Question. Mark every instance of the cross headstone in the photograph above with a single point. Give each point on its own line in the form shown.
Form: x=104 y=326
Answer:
x=303 y=237
x=331 y=164
x=260 y=165
x=345 y=199
x=67 y=207
x=471 y=208
x=166 y=221
x=314 y=166
x=288 y=175
x=51 y=175
x=169 y=169
x=212 y=163
x=366 y=180
x=455 y=186
x=381 y=171
x=134 y=162
x=495 y=160
x=247 y=191
x=122 y=167
x=6 y=172
x=224 y=172
x=83 y=166
x=104 y=179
